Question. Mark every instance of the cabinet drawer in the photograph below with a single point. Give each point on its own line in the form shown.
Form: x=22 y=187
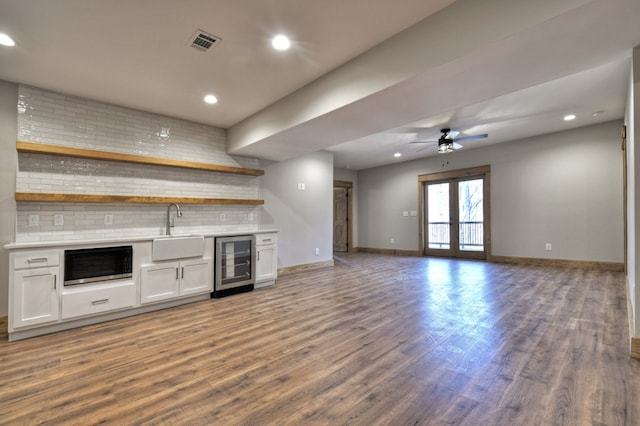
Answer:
x=88 y=301
x=36 y=259
x=264 y=239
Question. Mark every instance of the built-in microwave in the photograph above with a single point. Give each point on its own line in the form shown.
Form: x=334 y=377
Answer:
x=97 y=264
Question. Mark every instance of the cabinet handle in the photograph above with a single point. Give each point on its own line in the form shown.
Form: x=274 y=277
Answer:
x=182 y=272
x=258 y=256
x=55 y=282
x=177 y=273
x=100 y=302
x=265 y=240
x=36 y=259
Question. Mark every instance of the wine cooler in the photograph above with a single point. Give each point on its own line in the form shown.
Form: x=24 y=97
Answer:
x=235 y=268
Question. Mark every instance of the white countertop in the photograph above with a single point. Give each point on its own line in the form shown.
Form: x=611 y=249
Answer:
x=107 y=240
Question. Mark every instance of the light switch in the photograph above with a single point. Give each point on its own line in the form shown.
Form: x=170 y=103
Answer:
x=58 y=220
x=414 y=213
x=405 y=213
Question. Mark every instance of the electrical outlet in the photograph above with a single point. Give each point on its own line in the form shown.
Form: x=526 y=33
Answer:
x=58 y=220
x=317 y=251
x=108 y=219
x=250 y=216
x=547 y=246
x=34 y=220
x=223 y=217
x=392 y=240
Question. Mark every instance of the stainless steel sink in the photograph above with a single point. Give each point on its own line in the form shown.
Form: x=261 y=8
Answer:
x=177 y=247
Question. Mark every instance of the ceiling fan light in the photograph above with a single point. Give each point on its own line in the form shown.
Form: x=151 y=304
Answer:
x=445 y=147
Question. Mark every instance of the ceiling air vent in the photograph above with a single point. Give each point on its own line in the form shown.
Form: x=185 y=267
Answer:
x=203 y=41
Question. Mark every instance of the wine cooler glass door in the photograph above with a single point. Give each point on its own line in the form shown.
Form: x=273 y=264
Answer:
x=234 y=261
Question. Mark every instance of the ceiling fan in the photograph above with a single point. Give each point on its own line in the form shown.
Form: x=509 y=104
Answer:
x=448 y=141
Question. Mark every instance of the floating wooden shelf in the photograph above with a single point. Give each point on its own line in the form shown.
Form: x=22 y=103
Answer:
x=39 y=148
x=95 y=198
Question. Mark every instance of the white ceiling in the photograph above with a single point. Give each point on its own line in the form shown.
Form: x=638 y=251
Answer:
x=362 y=79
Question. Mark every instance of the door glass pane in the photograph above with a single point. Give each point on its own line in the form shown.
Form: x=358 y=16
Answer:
x=438 y=216
x=471 y=215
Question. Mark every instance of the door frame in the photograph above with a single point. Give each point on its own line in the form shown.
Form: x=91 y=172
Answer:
x=624 y=196
x=349 y=187
x=459 y=174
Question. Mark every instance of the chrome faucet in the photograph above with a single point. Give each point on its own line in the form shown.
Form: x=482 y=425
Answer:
x=171 y=223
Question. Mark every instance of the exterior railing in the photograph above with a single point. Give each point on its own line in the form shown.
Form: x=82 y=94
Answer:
x=439 y=234
x=471 y=235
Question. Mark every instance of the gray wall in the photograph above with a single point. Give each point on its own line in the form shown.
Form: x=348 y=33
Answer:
x=305 y=218
x=563 y=188
x=8 y=164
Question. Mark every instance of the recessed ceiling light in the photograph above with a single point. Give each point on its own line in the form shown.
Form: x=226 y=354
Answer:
x=597 y=113
x=280 y=42
x=569 y=117
x=5 y=40
x=210 y=99
x=397 y=155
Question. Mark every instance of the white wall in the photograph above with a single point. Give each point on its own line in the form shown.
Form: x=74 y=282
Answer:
x=305 y=218
x=563 y=188
x=8 y=165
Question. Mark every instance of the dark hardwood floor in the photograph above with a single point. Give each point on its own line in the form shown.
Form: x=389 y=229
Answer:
x=374 y=340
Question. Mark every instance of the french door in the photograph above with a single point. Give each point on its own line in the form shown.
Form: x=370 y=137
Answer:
x=455 y=213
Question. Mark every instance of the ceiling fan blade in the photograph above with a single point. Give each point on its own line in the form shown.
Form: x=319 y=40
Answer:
x=424 y=148
x=424 y=141
x=457 y=146
x=471 y=138
x=452 y=134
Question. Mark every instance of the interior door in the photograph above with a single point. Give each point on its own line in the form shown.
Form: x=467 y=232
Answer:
x=340 y=238
x=455 y=217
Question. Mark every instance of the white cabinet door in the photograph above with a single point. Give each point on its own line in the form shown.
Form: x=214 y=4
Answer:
x=266 y=263
x=196 y=276
x=35 y=296
x=159 y=282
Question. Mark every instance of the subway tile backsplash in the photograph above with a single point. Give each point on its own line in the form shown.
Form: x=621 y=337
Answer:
x=56 y=119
